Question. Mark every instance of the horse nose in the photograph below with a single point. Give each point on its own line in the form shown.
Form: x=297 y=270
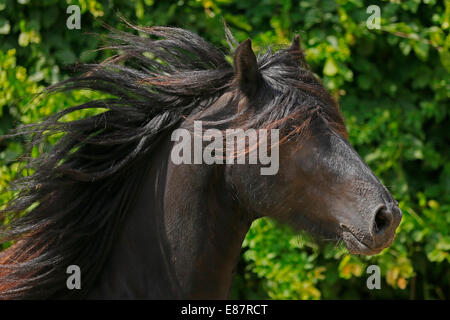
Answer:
x=385 y=222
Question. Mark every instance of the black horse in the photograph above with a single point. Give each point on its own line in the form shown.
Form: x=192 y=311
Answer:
x=108 y=198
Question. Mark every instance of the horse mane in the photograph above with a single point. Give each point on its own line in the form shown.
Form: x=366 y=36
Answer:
x=71 y=206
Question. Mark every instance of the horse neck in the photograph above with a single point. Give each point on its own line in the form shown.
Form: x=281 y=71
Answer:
x=205 y=229
x=182 y=240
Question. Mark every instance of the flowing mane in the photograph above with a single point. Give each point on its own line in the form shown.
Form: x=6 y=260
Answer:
x=80 y=191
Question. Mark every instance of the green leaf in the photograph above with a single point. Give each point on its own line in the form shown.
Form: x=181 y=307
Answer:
x=5 y=27
x=330 y=68
x=445 y=59
x=421 y=49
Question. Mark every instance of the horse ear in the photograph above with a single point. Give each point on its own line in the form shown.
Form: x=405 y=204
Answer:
x=295 y=46
x=246 y=67
x=296 y=50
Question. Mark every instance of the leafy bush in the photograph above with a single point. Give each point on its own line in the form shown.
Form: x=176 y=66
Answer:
x=392 y=85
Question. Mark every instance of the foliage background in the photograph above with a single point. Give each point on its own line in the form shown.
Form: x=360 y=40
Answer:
x=392 y=85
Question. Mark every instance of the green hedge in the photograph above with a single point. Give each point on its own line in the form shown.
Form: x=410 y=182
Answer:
x=392 y=85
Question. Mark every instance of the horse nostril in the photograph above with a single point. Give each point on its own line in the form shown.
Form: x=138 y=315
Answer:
x=382 y=220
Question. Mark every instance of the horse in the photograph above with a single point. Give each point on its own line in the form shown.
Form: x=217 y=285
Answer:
x=107 y=198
